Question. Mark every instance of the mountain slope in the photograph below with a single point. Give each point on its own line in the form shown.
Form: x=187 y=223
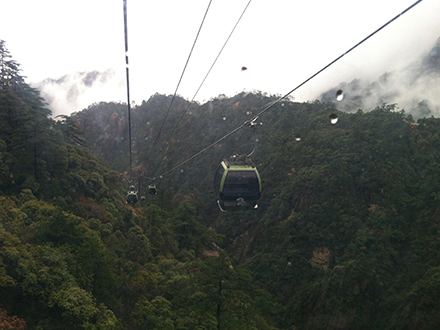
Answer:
x=415 y=88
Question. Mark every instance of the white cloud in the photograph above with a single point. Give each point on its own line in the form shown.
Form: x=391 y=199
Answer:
x=76 y=91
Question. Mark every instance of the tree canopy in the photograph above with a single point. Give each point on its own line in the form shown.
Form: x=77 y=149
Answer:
x=346 y=235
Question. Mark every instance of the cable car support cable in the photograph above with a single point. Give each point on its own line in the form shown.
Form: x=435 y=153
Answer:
x=128 y=89
x=253 y=119
x=337 y=59
x=203 y=81
x=132 y=195
x=180 y=80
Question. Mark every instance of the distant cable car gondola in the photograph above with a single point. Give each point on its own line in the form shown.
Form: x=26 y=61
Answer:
x=238 y=184
x=132 y=195
x=152 y=190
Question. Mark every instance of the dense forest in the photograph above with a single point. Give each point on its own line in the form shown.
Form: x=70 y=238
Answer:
x=346 y=235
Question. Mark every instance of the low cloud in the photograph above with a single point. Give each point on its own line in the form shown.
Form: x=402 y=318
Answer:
x=76 y=91
x=415 y=89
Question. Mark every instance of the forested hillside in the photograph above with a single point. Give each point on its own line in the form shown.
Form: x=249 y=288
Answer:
x=73 y=255
x=346 y=235
x=415 y=87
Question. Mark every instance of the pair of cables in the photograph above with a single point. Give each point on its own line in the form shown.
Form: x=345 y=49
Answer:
x=198 y=89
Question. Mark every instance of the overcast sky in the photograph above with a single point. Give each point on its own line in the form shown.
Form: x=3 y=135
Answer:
x=281 y=42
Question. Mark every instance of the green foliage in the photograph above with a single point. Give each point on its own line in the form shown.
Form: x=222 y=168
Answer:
x=191 y=232
x=345 y=236
x=346 y=224
x=155 y=314
x=73 y=255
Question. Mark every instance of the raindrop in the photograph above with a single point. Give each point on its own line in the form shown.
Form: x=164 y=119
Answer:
x=256 y=140
x=181 y=171
x=282 y=104
x=297 y=137
x=248 y=112
x=161 y=177
x=339 y=95
x=333 y=118
x=224 y=118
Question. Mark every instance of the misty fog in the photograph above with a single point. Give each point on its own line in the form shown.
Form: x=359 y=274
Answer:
x=415 y=88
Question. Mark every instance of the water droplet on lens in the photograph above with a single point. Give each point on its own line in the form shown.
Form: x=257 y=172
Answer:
x=339 y=95
x=297 y=137
x=333 y=118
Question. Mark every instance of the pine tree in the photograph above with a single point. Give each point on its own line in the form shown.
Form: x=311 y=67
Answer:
x=25 y=125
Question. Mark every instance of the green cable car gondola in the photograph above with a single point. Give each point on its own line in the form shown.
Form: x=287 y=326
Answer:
x=238 y=184
x=132 y=195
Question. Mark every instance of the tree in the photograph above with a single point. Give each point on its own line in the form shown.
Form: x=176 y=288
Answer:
x=228 y=295
x=154 y=314
x=9 y=69
x=11 y=322
x=25 y=126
